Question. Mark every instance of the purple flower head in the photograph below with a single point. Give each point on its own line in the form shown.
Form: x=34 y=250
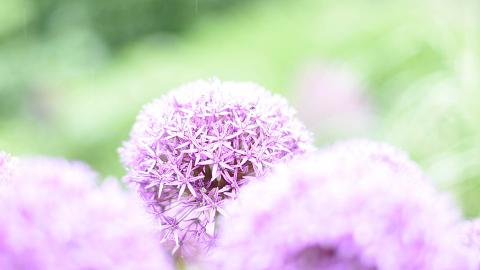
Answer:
x=193 y=149
x=385 y=155
x=339 y=210
x=54 y=216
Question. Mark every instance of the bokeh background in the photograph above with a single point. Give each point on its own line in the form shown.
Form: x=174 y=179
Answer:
x=74 y=74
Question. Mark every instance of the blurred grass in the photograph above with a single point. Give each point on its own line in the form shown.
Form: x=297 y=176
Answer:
x=74 y=87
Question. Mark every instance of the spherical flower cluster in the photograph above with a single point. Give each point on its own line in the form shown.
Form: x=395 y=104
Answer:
x=342 y=209
x=54 y=216
x=194 y=148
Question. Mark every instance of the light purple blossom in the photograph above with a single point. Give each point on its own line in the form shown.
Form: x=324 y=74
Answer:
x=4 y=157
x=350 y=151
x=5 y=165
x=333 y=101
x=195 y=147
x=471 y=231
x=348 y=207
x=54 y=216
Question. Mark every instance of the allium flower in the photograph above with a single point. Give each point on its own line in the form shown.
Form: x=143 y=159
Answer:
x=194 y=148
x=386 y=155
x=53 y=216
x=333 y=102
x=343 y=208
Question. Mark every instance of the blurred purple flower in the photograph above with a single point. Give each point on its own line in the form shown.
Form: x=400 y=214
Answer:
x=471 y=230
x=348 y=207
x=194 y=148
x=4 y=158
x=53 y=216
x=392 y=158
x=332 y=101
x=5 y=165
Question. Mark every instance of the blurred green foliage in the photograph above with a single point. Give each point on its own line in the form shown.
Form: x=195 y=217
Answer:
x=74 y=74
x=116 y=22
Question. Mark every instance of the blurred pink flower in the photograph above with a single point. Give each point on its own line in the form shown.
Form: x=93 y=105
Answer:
x=332 y=101
x=355 y=205
x=54 y=216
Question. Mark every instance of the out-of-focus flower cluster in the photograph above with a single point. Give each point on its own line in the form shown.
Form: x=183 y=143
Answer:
x=5 y=166
x=471 y=229
x=193 y=149
x=357 y=205
x=353 y=205
x=54 y=216
x=332 y=101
